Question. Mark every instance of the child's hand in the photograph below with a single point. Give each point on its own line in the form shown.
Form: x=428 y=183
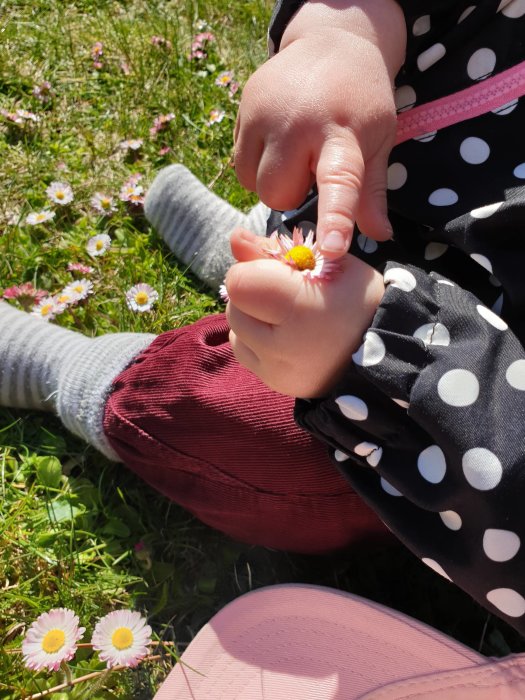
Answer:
x=295 y=334
x=322 y=110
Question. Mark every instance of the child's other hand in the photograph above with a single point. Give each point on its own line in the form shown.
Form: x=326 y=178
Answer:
x=322 y=110
x=297 y=335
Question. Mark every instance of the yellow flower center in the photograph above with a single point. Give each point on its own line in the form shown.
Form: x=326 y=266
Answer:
x=46 y=309
x=302 y=256
x=63 y=298
x=141 y=298
x=60 y=194
x=53 y=641
x=104 y=202
x=40 y=217
x=78 y=288
x=99 y=245
x=122 y=638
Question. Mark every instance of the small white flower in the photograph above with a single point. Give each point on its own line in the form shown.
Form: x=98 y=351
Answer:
x=48 y=308
x=141 y=297
x=122 y=638
x=103 y=204
x=25 y=115
x=216 y=116
x=78 y=290
x=98 y=245
x=60 y=193
x=51 y=639
x=40 y=217
x=131 y=144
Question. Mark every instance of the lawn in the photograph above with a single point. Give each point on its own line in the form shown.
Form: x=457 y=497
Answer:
x=99 y=95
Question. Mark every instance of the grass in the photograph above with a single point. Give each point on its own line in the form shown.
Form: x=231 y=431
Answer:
x=70 y=521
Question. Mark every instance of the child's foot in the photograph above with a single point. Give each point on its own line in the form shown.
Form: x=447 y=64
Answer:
x=49 y=368
x=196 y=224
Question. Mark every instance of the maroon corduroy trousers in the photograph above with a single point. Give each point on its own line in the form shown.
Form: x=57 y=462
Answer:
x=205 y=432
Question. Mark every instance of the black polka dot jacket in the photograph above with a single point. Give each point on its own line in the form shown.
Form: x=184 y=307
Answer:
x=428 y=424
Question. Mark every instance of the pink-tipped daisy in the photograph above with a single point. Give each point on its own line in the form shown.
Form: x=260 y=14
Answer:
x=141 y=297
x=51 y=639
x=98 y=245
x=40 y=217
x=122 y=638
x=302 y=254
x=25 y=293
x=78 y=290
x=81 y=268
x=48 y=308
x=224 y=78
x=103 y=204
x=216 y=116
x=43 y=92
x=60 y=193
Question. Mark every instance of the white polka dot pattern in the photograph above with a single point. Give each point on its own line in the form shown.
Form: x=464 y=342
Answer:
x=432 y=465
x=500 y=545
x=458 y=387
x=371 y=351
x=451 y=519
x=482 y=468
x=435 y=567
x=352 y=407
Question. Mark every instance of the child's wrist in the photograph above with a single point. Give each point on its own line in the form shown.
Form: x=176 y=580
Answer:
x=379 y=22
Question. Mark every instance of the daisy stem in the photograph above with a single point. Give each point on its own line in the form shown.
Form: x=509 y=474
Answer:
x=67 y=673
x=82 y=679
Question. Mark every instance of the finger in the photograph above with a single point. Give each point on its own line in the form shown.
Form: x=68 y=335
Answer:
x=247 y=246
x=284 y=175
x=264 y=289
x=339 y=174
x=372 y=213
x=256 y=335
x=247 y=154
x=244 y=354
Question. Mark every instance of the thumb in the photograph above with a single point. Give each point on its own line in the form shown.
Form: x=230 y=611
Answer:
x=246 y=245
x=339 y=175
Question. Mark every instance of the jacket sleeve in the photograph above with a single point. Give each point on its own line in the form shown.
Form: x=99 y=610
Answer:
x=428 y=427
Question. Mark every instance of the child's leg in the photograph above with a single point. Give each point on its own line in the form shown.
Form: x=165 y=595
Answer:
x=181 y=413
x=50 y=368
x=196 y=224
x=207 y=433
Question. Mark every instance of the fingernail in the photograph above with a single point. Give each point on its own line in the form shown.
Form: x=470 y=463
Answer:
x=334 y=242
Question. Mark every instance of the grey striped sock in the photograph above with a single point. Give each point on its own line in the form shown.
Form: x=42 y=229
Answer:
x=196 y=224
x=50 y=368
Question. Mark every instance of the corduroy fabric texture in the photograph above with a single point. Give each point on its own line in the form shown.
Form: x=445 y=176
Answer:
x=198 y=427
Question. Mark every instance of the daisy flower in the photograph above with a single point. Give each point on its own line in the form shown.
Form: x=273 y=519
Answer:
x=60 y=193
x=25 y=293
x=103 y=204
x=51 y=639
x=78 y=290
x=80 y=267
x=161 y=122
x=98 y=245
x=43 y=92
x=121 y=638
x=216 y=116
x=132 y=193
x=224 y=78
x=48 y=308
x=302 y=254
x=131 y=144
x=141 y=297
x=162 y=42
x=39 y=217
x=64 y=298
